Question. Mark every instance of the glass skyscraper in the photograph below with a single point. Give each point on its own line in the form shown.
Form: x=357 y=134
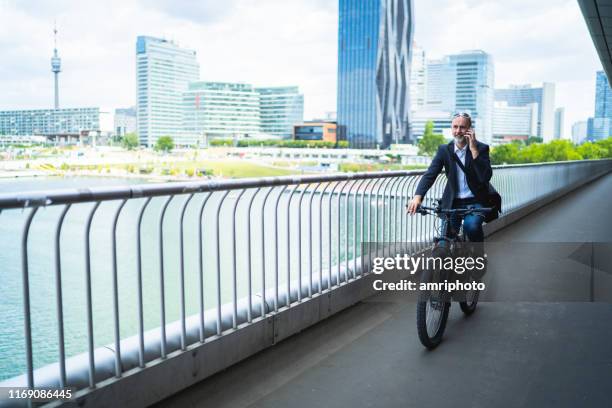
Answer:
x=600 y=126
x=374 y=40
x=523 y=95
x=280 y=108
x=163 y=70
x=603 y=96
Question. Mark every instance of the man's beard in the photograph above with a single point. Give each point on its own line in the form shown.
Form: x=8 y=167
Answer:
x=459 y=139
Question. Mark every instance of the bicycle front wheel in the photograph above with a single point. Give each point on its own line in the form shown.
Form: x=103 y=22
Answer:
x=471 y=300
x=432 y=310
x=468 y=306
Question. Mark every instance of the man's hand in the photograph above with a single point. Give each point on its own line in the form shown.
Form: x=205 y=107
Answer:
x=414 y=204
x=470 y=135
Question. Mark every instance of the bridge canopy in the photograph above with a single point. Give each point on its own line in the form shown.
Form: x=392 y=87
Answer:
x=598 y=16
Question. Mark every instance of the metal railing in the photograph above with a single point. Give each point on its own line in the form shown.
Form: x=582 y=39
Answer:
x=212 y=257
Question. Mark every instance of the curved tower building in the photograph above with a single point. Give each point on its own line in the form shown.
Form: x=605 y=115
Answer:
x=374 y=53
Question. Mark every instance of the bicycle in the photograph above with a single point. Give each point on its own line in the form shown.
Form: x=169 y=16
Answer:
x=434 y=305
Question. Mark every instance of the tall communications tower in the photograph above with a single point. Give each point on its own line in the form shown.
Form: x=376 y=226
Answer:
x=56 y=63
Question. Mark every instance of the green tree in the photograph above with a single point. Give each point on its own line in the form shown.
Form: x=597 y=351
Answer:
x=590 y=150
x=556 y=150
x=533 y=139
x=130 y=141
x=534 y=153
x=606 y=146
x=164 y=144
x=223 y=142
x=429 y=143
x=560 y=150
x=505 y=154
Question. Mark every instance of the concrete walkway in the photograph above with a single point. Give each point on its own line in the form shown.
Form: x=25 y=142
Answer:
x=514 y=354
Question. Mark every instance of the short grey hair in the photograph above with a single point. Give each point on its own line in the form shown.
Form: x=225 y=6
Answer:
x=463 y=115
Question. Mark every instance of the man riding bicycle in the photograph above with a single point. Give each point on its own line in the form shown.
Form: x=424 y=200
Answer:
x=468 y=171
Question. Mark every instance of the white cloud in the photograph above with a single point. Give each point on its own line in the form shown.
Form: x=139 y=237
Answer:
x=276 y=42
x=265 y=43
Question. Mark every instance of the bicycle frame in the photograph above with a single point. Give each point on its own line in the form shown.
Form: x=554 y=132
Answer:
x=445 y=215
x=433 y=308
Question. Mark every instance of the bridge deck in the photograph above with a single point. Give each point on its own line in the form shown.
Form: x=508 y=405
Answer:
x=506 y=354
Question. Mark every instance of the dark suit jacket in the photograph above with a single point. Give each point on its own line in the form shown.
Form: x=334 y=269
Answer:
x=478 y=173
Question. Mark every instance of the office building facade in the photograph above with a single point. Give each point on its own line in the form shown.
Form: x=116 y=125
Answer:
x=418 y=78
x=315 y=130
x=49 y=122
x=441 y=120
x=474 y=89
x=220 y=110
x=163 y=72
x=280 y=108
x=599 y=128
x=124 y=121
x=544 y=96
x=514 y=122
x=559 y=123
x=374 y=40
x=579 y=131
x=463 y=83
x=441 y=85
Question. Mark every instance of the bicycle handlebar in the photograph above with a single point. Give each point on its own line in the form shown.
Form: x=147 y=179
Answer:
x=424 y=210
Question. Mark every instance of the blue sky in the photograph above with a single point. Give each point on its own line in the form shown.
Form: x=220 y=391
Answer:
x=277 y=42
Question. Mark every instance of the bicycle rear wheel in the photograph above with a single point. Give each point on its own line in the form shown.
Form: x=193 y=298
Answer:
x=432 y=310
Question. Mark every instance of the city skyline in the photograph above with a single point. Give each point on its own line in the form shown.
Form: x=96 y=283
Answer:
x=530 y=44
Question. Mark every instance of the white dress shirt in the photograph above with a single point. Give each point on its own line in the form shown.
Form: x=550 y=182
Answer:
x=464 y=190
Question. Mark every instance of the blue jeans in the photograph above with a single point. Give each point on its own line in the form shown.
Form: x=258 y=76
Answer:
x=472 y=223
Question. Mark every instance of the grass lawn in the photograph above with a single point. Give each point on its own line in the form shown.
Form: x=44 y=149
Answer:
x=239 y=169
x=228 y=168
